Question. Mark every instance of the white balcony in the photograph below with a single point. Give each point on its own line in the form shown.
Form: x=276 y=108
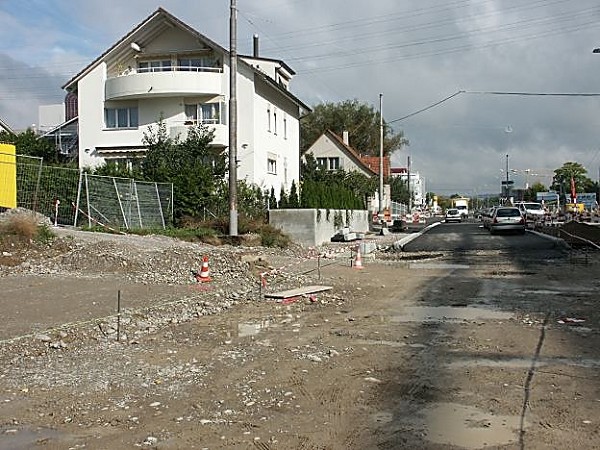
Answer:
x=172 y=83
x=221 y=138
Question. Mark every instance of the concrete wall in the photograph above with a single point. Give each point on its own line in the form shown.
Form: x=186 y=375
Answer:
x=312 y=227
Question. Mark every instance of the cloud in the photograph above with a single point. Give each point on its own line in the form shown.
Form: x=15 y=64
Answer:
x=414 y=52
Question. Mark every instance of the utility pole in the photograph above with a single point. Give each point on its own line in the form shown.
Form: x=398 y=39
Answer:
x=408 y=185
x=381 y=159
x=233 y=213
x=507 y=182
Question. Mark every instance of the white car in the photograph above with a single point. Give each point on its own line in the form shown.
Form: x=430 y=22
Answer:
x=532 y=211
x=453 y=215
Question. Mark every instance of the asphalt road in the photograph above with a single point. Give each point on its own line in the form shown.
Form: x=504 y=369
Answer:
x=472 y=236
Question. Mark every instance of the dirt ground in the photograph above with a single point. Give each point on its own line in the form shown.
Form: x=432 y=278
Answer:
x=425 y=351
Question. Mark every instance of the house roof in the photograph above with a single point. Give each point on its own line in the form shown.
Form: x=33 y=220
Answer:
x=372 y=162
x=61 y=126
x=350 y=151
x=369 y=163
x=6 y=127
x=270 y=81
x=142 y=34
x=155 y=24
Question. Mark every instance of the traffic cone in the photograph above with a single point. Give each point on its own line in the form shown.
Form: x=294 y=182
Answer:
x=358 y=259
x=203 y=276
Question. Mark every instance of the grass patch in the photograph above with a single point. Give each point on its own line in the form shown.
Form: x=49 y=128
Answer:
x=25 y=228
x=215 y=232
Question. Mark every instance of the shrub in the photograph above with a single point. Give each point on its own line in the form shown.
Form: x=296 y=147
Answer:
x=26 y=227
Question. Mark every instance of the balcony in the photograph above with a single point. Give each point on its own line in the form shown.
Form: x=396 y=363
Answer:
x=174 y=82
x=221 y=138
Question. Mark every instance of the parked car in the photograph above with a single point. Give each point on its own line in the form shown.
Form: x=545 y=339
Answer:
x=533 y=212
x=452 y=215
x=507 y=218
x=486 y=217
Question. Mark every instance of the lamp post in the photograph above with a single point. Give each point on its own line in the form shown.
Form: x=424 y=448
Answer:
x=381 y=205
x=233 y=202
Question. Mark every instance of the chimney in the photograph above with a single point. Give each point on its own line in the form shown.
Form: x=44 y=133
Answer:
x=345 y=138
x=255 y=41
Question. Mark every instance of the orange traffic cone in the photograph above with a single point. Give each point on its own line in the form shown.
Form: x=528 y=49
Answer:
x=358 y=259
x=204 y=277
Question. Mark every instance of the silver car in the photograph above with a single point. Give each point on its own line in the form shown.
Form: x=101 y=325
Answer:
x=507 y=218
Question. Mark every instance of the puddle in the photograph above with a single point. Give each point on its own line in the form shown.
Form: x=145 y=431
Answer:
x=540 y=292
x=26 y=438
x=468 y=427
x=382 y=417
x=522 y=363
x=437 y=266
x=252 y=329
x=448 y=314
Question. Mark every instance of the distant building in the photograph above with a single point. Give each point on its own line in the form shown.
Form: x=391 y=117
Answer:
x=416 y=185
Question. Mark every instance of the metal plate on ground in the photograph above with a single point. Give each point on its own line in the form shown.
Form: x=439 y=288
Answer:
x=298 y=291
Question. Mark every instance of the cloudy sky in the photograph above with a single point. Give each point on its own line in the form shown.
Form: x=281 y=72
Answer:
x=415 y=52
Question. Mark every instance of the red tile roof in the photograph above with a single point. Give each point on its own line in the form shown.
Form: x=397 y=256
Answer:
x=372 y=162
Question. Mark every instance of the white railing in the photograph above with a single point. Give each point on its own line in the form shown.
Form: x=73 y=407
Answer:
x=131 y=70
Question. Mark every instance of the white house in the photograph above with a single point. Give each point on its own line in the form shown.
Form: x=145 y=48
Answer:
x=416 y=185
x=165 y=69
x=333 y=152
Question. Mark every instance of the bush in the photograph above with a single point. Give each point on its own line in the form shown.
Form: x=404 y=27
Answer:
x=26 y=227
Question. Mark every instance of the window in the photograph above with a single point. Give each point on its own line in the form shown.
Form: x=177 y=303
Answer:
x=121 y=117
x=129 y=163
x=285 y=127
x=275 y=122
x=206 y=113
x=163 y=65
x=331 y=163
x=272 y=166
x=196 y=64
x=269 y=119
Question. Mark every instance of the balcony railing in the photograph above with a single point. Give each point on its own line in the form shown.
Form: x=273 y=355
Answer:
x=164 y=82
x=130 y=70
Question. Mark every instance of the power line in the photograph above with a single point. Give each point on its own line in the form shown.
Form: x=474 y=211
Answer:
x=536 y=94
x=433 y=105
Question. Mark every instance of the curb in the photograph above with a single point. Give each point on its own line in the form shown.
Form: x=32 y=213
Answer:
x=558 y=242
x=399 y=245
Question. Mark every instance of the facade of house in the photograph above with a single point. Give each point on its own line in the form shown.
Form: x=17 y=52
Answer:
x=165 y=70
x=333 y=152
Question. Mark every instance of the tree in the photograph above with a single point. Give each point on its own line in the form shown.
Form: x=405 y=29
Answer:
x=561 y=182
x=195 y=169
x=29 y=143
x=293 y=201
x=360 y=120
x=399 y=190
x=335 y=189
x=531 y=192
